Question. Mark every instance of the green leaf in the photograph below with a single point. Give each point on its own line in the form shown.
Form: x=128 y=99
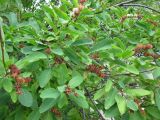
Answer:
x=43 y=77
x=7 y=85
x=34 y=115
x=121 y=103
x=102 y=45
x=76 y=80
x=47 y=104
x=72 y=55
x=61 y=14
x=50 y=93
x=80 y=101
x=132 y=69
x=108 y=86
x=135 y=116
x=57 y=51
x=112 y=112
x=157 y=97
x=25 y=98
x=138 y=92
x=49 y=11
x=99 y=94
x=62 y=100
x=132 y=105
x=75 y=3
x=2 y=69
x=82 y=42
x=153 y=111
x=13 y=96
x=156 y=73
x=48 y=116
x=110 y=98
x=35 y=56
x=61 y=73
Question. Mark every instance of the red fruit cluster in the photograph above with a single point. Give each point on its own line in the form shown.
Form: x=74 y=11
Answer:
x=15 y=73
x=95 y=56
x=68 y=91
x=82 y=1
x=48 y=51
x=140 y=48
x=97 y=70
x=144 y=49
x=153 y=55
x=21 y=46
x=58 y=60
x=56 y=112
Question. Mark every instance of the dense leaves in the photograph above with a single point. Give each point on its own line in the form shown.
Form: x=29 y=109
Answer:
x=79 y=59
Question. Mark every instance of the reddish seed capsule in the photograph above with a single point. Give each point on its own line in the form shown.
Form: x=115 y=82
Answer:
x=68 y=90
x=21 y=46
x=27 y=80
x=102 y=75
x=82 y=1
x=18 y=91
x=48 y=51
x=155 y=56
x=58 y=60
x=56 y=112
x=76 y=94
x=148 y=46
x=146 y=54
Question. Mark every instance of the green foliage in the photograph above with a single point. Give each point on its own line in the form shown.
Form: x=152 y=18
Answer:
x=69 y=61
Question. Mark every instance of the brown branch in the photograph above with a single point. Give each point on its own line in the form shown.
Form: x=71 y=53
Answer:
x=139 y=5
x=125 y=2
x=118 y=4
x=90 y=97
x=2 y=50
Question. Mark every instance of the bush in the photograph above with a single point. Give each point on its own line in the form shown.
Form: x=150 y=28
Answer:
x=80 y=60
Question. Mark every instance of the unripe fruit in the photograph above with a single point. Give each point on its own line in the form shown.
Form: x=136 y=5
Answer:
x=76 y=11
x=81 y=7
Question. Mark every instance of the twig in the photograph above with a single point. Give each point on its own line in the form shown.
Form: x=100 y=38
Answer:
x=140 y=5
x=2 y=49
x=125 y=2
x=90 y=97
x=84 y=114
x=118 y=4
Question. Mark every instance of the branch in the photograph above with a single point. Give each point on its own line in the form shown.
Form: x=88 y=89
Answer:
x=84 y=114
x=2 y=49
x=90 y=97
x=118 y=4
x=125 y=2
x=139 y=5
